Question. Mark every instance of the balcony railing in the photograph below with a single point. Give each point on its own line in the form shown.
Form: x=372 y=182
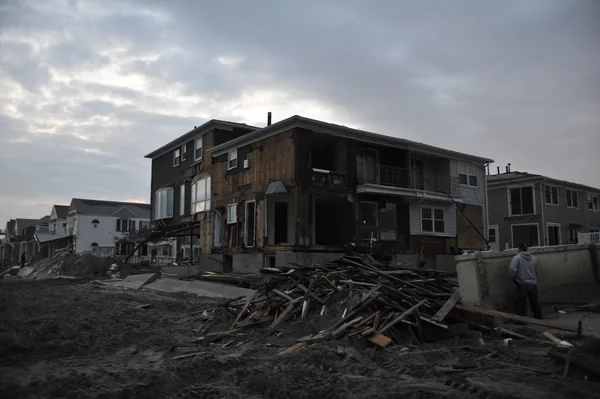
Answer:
x=588 y=238
x=409 y=178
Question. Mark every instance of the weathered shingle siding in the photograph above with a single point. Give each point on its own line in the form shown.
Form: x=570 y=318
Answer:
x=449 y=217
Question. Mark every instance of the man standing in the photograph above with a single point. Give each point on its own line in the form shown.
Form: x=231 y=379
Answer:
x=523 y=271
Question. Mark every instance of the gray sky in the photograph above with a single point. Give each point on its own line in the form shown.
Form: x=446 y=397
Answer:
x=87 y=88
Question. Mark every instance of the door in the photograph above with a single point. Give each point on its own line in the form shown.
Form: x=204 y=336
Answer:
x=218 y=221
x=553 y=234
x=281 y=223
x=417 y=169
x=525 y=234
x=493 y=238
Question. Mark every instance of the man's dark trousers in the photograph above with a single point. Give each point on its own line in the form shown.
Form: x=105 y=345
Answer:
x=528 y=292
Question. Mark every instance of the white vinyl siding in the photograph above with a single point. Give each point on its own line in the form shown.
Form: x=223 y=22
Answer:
x=449 y=218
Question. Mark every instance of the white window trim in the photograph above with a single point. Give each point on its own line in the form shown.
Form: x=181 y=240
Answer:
x=512 y=235
x=159 y=215
x=590 y=198
x=229 y=219
x=469 y=172
x=230 y=159
x=557 y=195
x=433 y=219
x=201 y=140
x=510 y=212
x=207 y=200
x=184 y=152
x=550 y=224
x=182 y=200
x=246 y=223
x=571 y=198
x=176 y=157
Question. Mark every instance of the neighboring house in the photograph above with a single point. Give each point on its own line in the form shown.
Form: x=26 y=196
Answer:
x=24 y=238
x=310 y=187
x=7 y=247
x=537 y=210
x=54 y=237
x=58 y=220
x=95 y=224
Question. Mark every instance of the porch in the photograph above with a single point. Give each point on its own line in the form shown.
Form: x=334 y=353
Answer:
x=589 y=238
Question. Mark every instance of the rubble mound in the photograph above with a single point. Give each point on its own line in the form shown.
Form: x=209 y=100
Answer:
x=86 y=265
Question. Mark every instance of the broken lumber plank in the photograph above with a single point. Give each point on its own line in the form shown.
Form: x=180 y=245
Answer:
x=380 y=340
x=283 y=295
x=586 y=365
x=248 y=322
x=448 y=306
x=402 y=316
x=188 y=355
x=559 y=342
x=305 y=306
x=294 y=348
x=243 y=310
x=426 y=320
x=358 y=310
x=282 y=317
x=316 y=338
x=376 y=321
x=214 y=336
x=311 y=294
x=509 y=316
x=340 y=330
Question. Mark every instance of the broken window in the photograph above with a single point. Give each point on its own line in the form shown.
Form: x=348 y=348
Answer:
x=199 y=145
x=521 y=201
x=592 y=202
x=432 y=220
x=232 y=160
x=387 y=222
x=250 y=225
x=572 y=199
x=163 y=203
x=231 y=213
x=176 y=157
x=183 y=152
x=551 y=194
x=200 y=196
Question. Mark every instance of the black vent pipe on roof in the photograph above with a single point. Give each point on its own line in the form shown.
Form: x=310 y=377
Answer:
x=268 y=118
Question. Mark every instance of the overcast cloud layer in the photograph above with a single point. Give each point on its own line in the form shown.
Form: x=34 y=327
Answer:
x=87 y=88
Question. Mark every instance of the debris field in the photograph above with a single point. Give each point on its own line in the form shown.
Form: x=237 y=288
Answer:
x=354 y=328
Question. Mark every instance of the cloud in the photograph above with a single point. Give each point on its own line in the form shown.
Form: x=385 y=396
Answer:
x=88 y=88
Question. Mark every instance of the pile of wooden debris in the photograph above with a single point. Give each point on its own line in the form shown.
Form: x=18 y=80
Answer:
x=383 y=303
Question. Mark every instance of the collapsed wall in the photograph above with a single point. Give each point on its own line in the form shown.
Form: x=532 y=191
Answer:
x=566 y=274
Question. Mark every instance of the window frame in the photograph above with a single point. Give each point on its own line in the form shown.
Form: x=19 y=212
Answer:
x=231 y=159
x=201 y=148
x=546 y=187
x=594 y=207
x=194 y=202
x=559 y=238
x=433 y=219
x=176 y=157
x=468 y=172
x=254 y=215
x=570 y=194
x=509 y=195
x=158 y=202
x=184 y=152
x=232 y=208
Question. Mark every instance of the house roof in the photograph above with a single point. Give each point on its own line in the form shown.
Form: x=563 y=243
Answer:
x=61 y=211
x=21 y=223
x=297 y=121
x=505 y=179
x=108 y=208
x=10 y=227
x=211 y=124
x=43 y=220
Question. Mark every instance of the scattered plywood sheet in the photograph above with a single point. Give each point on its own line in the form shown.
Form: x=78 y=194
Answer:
x=380 y=340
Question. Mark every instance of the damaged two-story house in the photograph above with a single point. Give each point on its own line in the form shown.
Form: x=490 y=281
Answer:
x=302 y=190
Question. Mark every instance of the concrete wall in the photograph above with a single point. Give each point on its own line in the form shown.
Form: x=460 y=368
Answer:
x=247 y=263
x=565 y=275
x=305 y=258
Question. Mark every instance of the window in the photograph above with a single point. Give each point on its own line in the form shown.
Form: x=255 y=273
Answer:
x=231 y=213
x=432 y=220
x=183 y=152
x=200 y=196
x=198 y=148
x=467 y=175
x=163 y=203
x=94 y=246
x=521 y=201
x=144 y=225
x=551 y=195
x=574 y=234
x=250 y=225
x=182 y=200
x=123 y=225
x=593 y=202
x=387 y=222
x=144 y=250
x=553 y=231
x=176 y=157
x=232 y=160
x=572 y=199
x=492 y=235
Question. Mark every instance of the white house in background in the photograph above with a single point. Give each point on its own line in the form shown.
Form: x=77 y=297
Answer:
x=57 y=225
x=94 y=224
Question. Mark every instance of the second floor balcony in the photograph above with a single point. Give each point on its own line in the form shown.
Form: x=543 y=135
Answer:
x=392 y=176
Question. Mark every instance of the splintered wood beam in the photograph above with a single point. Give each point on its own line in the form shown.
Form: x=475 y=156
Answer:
x=241 y=313
x=509 y=316
x=402 y=316
x=448 y=306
